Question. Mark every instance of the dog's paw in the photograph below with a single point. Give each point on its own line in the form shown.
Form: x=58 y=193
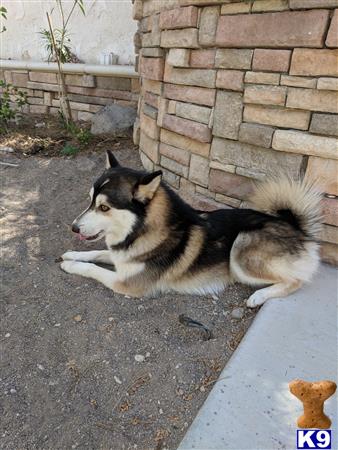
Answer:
x=70 y=256
x=69 y=266
x=256 y=299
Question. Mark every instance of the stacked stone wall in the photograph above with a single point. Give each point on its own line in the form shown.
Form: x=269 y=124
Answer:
x=232 y=92
x=87 y=93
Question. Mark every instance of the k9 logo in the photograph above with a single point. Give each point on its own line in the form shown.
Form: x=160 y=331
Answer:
x=313 y=439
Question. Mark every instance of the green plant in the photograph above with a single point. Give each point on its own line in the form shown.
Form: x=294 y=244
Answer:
x=69 y=150
x=3 y=14
x=57 y=44
x=82 y=135
x=63 y=49
x=11 y=102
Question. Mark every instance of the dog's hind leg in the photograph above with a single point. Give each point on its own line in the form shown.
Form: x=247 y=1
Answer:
x=85 y=269
x=102 y=256
x=281 y=289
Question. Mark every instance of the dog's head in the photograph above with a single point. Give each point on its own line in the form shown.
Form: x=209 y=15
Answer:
x=118 y=202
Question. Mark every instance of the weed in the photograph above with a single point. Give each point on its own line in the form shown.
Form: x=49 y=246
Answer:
x=11 y=102
x=69 y=150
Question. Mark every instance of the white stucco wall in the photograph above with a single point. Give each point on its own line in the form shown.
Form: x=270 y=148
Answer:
x=107 y=27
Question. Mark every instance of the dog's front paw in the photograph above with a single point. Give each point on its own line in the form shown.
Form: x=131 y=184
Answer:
x=68 y=266
x=256 y=299
x=70 y=256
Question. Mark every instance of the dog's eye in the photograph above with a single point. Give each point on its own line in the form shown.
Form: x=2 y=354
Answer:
x=103 y=208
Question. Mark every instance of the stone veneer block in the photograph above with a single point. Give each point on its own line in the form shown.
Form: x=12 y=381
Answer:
x=262 y=78
x=330 y=211
x=179 y=141
x=313 y=100
x=314 y=62
x=178 y=57
x=149 y=127
x=193 y=112
x=308 y=4
x=279 y=117
x=325 y=171
x=152 y=52
x=284 y=29
x=271 y=60
x=255 y=158
x=150 y=147
x=328 y=84
x=260 y=135
x=305 y=143
x=201 y=2
x=42 y=77
x=265 y=95
x=233 y=58
x=179 y=18
x=287 y=80
x=151 y=99
x=174 y=166
x=332 y=35
x=152 y=68
x=230 y=184
x=194 y=130
x=236 y=8
x=202 y=58
x=326 y=124
x=21 y=80
x=227 y=114
x=329 y=234
x=152 y=86
x=177 y=154
x=191 y=94
x=199 y=170
x=146 y=162
x=186 y=38
x=270 y=5
x=207 y=25
x=230 y=79
x=193 y=77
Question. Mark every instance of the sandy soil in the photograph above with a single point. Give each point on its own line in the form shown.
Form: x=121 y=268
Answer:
x=71 y=371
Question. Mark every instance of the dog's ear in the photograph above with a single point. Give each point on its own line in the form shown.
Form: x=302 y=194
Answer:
x=111 y=161
x=146 y=188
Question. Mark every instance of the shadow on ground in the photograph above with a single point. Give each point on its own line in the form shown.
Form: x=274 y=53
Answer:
x=69 y=377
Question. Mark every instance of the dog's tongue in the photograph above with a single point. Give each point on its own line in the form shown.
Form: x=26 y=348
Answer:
x=82 y=237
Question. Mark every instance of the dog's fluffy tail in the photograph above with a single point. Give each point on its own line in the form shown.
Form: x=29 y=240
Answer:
x=296 y=202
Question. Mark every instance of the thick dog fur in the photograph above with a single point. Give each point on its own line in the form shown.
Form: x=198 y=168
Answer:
x=156 y=242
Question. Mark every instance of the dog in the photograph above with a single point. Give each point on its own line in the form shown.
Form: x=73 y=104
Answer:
x=156 y=242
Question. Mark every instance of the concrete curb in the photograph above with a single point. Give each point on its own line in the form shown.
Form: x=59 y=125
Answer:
x=250 y=406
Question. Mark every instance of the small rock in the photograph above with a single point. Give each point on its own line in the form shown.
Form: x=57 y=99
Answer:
x=57 y=325
x=113 y=119
x=147 y=354
x=117 y=379
x=7 y=335
x=40 y=366
x=139 y=358
x=237 y=313
x=40 y=125
x=202 y=389
x=160 y=411
x=111 y=319
x=12 y=391
x=77 y=318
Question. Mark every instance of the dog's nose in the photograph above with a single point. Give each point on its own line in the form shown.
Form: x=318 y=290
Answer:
x=75 y=228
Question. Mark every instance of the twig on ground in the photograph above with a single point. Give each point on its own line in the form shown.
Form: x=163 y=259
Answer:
x=8 y=164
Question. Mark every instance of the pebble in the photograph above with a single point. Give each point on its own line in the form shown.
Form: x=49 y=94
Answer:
x=7 y=335
x=139 y=358
x=202 y=389
x=110 y=319
x=57 y=325
x=40 y=366
x=12 y=391
x=237 y=313
x=40 y=125
x=77 y=318
x=117 y=379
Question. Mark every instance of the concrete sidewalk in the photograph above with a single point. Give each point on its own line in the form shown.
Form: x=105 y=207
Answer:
x=250 y=407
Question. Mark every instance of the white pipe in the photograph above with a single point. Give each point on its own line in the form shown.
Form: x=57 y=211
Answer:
x=90 y=69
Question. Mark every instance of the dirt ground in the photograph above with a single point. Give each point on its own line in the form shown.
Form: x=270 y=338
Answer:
x=82 y=367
